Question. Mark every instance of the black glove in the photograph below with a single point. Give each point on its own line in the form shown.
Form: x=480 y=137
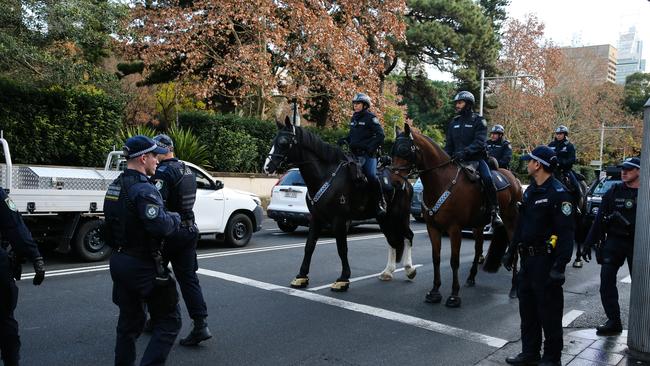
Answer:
x=459 y=155
x=507 y=259
x=556 y=277
x=39 y=270
x=585 y=253
x=342 y=141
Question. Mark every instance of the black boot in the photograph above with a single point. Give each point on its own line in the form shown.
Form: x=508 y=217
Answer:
x=381 y=203
x=611 y=327
x=494 y=209
x=523 y=359
x=199 y=333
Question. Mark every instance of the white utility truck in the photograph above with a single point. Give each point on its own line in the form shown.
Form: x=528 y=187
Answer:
x=63 y=206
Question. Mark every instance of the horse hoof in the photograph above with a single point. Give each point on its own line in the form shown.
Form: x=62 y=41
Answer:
x=481 y=259
x=433 y=297
x=513 y=293
x=470 y=283
x=411 y=272
x=300 y=282
x=340 y=286
x=453 y=302
x=385 y=276
x=577 y=264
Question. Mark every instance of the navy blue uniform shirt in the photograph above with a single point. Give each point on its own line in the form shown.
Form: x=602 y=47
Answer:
x=619 y=198
x=13 y=229
x=467 y=132
x=500 y=150
x=177 y=185
x=366 y=133
x=547 y=210
x=565 y=152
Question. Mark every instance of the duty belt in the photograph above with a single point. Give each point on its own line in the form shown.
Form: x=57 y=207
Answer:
x=134 y=253
x=531 y=251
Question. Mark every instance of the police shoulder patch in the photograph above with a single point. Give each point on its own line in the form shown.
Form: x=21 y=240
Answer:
x=152 y=211
x=375 y=120
x=10 y=204
x=484 y=122
x=567 y=208
x=629 y=203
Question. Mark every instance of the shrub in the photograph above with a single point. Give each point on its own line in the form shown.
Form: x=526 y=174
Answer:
x=235 y=151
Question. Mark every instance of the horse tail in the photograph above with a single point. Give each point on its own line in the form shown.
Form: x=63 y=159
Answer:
x=496 y=250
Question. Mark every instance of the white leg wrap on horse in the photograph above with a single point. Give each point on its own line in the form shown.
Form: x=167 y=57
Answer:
x=387 y=274
x=407 y=261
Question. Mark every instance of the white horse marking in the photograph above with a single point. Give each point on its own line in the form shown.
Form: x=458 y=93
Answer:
x=268 y=160
x=387 y=273
x=407 y=261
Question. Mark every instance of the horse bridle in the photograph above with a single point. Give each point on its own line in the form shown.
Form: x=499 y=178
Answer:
x=283 y=157
x=411 y=157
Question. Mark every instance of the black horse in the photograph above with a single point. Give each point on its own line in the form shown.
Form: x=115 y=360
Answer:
x=335 y=197
x=582 y=225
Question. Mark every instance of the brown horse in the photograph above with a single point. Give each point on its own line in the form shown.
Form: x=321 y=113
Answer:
x=453 y=202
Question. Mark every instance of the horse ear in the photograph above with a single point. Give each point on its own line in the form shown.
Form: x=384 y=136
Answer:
x=280 y=125
x=397 y=131
x=287 y=122
x=407 y=130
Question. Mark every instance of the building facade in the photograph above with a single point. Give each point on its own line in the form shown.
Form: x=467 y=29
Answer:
x=630 y=49
x=597 y=63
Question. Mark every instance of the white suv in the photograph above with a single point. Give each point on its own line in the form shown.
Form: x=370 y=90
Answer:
x=288 y=206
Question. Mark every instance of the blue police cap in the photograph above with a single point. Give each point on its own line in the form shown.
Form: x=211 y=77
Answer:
x=140 y=145
x=630 y=163
x=164 y=141
x=543 y=154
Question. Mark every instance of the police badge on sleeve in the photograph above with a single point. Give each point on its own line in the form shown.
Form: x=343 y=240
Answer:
x=159 y=184
x=151 y=211
x=10 y=204
x=567 y=208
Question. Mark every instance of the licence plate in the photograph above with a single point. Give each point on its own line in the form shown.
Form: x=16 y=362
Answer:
x=291 y=194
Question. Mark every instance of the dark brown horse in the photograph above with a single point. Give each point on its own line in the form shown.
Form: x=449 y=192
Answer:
x=452 y=202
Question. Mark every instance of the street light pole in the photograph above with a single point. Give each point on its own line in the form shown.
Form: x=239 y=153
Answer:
x=602 y=140
x=483 y=78
x=638 y=339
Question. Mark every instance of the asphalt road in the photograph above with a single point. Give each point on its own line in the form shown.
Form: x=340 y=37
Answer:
x=258 y=320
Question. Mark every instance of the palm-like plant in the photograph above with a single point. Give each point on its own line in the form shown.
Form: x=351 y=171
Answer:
x=188 y=147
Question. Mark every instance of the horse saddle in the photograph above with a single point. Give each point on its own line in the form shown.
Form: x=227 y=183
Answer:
x=383 y=175
x=470 y=168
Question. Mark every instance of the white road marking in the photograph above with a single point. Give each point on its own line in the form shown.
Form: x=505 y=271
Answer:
x=103 y=267
x=569 y=317
x=627 y=279
x=355 y=279
x=364 y=309
x=276 y=229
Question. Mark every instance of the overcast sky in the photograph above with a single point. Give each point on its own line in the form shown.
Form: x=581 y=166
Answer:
x=582 y=22
x=588 y=22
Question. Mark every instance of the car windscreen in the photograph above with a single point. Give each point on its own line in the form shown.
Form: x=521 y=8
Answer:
x=292 y=178
x=604 y=186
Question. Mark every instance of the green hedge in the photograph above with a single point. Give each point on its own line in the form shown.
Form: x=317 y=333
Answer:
x=58 y=126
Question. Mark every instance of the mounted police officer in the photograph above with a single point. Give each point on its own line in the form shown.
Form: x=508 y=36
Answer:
x=499 y=148
x=136 y=225
x=177 y=185
x=365 y=137
x=13 y=232
x=544 y=239
x=466 y=135
x=566 y=157
x=614 y=227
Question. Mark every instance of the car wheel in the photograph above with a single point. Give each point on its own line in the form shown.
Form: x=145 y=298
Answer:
x=89 y=241
x=287 y=227
x=239 y=230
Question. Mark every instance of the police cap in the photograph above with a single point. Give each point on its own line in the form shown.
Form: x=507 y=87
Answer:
x=543 y=154
x=140 y=145
x=630 y=163
x=164 y=141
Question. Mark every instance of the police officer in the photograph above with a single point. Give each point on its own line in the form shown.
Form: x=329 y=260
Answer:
x=499 y=148
x=14 y=232
x=566 y=157
x=466 y=135
x=136 y=224
x=614 y=225
x=544 y=239
x=177 y=185
x=364 y=139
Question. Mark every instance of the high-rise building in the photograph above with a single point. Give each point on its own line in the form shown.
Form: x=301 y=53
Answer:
x=630 y=49
x=597 y=63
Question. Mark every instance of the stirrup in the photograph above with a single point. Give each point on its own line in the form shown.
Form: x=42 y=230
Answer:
x=496 y=220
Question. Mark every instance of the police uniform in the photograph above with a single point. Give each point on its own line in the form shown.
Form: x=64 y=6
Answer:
x=365 y=137
x=614 y=225
x=566 y=157
x=14 y=232
x=136 y=224
x=547 y=210
x=177 y=185
x=500 y=150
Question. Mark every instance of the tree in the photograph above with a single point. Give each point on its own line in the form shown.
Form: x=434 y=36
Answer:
x=239 y=55
x=637 y=92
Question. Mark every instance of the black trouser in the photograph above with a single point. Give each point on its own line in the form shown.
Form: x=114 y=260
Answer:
x=133 y=286
x=540 y=306
x=9 y=339
x=180 y=250
x=615 y=251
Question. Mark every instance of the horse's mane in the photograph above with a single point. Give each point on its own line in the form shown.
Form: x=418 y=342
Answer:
x=323 y=150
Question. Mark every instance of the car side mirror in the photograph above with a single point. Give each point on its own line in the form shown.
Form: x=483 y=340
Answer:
x=219 y=184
